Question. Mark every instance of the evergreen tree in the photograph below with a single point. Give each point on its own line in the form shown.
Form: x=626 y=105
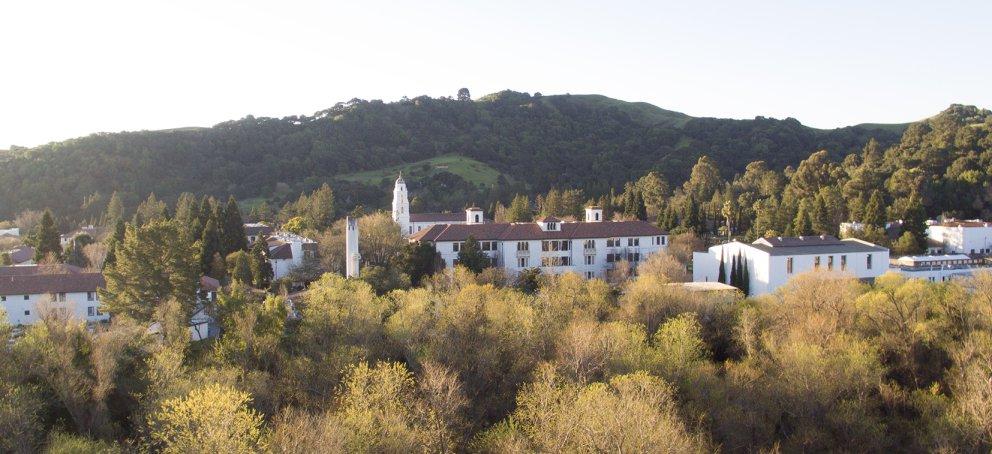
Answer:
x=418 y=260
x=470 y=256
x=640 y=209
x=210 y=246
x=519 y=210
x=915 y=221
x=232 y=228
x=46 y=239
x=802 y=226
x=739 y=273
x=319 y=211
x=874 y=214
x=154 y=265
x=261 y=269
x=821 y=222
x=115 y=210
x=239 y=267
x=722 y=276
x=113 y=241
x=733 y=271
x=745 y=277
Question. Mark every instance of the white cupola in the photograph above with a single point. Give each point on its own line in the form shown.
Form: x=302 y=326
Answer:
x=473 y=215
x=594 y=214
x=550 y=224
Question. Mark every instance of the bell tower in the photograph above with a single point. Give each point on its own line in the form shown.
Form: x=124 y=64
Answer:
x=401 y=206
x=352 y=257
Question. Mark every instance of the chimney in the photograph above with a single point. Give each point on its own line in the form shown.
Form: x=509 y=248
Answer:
x=594 y=214
x=473 y=215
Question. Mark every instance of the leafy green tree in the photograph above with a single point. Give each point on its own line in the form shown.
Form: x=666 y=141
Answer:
x=153 y=265
x=419 y=260
x=470 y=256
x=212 y=418
x=906 y=245
x=46 y=239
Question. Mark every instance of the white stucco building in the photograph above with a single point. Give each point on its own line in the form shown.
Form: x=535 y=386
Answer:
x=28 y=291
x=411 y=223
x=288 y=250
x=772 y=261
x=257 y=230
x=590 y=248
x=938 y=268
x=960 y=237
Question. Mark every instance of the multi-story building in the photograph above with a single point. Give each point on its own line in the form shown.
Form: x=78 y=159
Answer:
x=938 y=268
x=411 y=223
x=256 y=230
x=590 y=248
x=772 y=261
x=27 y=291
x=959 y=237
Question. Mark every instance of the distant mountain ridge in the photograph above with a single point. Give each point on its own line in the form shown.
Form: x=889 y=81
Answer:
x=591 y=142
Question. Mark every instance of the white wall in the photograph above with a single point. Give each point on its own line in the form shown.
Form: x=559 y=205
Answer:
x=962 y=240
x=506 y=255
x=76 y=304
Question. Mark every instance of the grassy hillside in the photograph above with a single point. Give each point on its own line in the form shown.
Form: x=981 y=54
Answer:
x=641 y=112
x=469 y=169
x=897 y=128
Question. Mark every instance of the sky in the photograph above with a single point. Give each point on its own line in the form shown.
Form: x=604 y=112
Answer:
x=71 y=68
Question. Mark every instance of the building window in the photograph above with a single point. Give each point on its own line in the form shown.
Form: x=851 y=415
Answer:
x=868 y=261
x=830 y=263
x=788 y=265
x=634 y=257
x=91 y=311
x=523 y=246
x=613 y=242
x=816 y=262
x=633 y=242
x=589 y=245
x=554 y=245
x=3 y=298
x=843 y=262
x=662 y=241
x=455 y=246
x=590 y=274
x=488 y=245
x=27 y=312
x=589 y=259
x=90 y=296
x=522 y=262
x=556 y=261
x=27 y=297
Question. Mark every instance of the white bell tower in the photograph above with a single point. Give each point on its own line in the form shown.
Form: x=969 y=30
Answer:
x=352 y=257
x=401 y=206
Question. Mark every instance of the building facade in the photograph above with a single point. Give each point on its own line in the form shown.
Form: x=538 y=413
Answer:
x=411 y=223
x=591 y=248
x=288 y=251
x=772 y=261
x=939 y=268
x=26 y=292
x=959 y=237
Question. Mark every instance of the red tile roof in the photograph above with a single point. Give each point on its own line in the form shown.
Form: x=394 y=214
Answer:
x=531 y=231
x=40 y=279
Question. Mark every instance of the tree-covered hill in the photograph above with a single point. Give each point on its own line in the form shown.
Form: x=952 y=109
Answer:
x=582 y=141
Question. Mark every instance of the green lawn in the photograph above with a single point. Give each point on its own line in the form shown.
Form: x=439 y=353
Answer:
x=467 y=168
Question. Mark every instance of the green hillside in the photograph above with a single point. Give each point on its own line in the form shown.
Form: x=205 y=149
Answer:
x=469 y=169
x=641 y=112
x=897 y=128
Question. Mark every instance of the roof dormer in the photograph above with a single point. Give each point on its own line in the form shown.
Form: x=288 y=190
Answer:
x=473 y=215
x=550 y=224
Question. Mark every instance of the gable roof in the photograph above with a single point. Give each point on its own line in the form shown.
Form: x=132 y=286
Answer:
x=793 y=241
x=532 y=231
x=21 y=254
x=281 y=251
x=437 y=217
x=253 y=229
x=40 y=279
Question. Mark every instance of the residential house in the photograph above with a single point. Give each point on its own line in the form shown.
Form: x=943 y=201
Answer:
x=27 y=291
x=288 y=251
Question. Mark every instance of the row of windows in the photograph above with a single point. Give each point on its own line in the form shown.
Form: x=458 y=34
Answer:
x=556 y=261
x=91 y=311
x=555 y=245
x=563 y=245
x=830 y=263
x=57 y=297
x=483 y=245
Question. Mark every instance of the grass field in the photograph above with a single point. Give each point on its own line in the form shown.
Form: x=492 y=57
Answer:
x=467 y=168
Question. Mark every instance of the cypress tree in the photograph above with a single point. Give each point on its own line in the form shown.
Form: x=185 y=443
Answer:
x=113 y=241
x=802 y=225
x=874 y=212
x=722 y=277
x=261 y=269
x=641 y=210
x=46 y=239
x=232 y=228
x=209 y=246
x=733 y=271
x=745 y=277
x=915 y=220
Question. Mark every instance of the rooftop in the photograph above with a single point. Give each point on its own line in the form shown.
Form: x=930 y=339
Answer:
x=39 y=279
x=809 y=245
x=437 y=217
x=532 y=231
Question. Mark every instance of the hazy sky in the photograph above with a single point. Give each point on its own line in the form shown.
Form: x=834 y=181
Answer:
x=69 y=68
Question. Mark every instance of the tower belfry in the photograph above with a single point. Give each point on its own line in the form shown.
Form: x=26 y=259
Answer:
x=401 y=205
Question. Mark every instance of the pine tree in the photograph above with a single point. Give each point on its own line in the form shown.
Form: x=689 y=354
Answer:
x=640 y=209
x=209 y=246
x=915 y=221
x=154 y=265
x=821 y=224
x=802 y=226
x=232 y=228
x=733 y=271
x=261 y=269
x=320 y=208
x=46 y=239
x=874 y=214
x=115 y=210
x=113 y=241
x=519 y=210
x=470 y=256
x=739 y=273
x=239 y=267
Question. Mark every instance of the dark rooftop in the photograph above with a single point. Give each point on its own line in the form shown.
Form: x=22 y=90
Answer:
x=532 y=231
x=39 y=279
x=803 y=245
x=437 y=217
